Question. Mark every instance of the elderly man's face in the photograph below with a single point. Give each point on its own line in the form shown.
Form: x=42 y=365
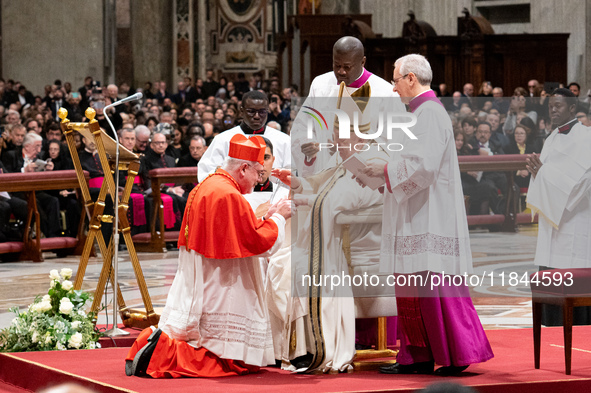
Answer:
x=401 y=86
x=166 y=118
x=197 y=149
x=468 y=89
x=159 y=143
x=141 y=142
x=12 y=118
x=112 y=91
x=493 y=120
x=128 y=139
x=32 y=149
x=347 y=67
x=252 y=176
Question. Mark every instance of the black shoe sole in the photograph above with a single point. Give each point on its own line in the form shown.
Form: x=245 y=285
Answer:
x=416 y=368
x=142 y=359
x=449 y=371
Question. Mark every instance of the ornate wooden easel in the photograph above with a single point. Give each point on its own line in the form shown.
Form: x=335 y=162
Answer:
x=107 y=147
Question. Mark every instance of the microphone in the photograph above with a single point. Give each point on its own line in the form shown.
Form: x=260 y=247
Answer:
x=136 y=96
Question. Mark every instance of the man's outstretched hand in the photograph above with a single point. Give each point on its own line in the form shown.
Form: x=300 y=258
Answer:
x=284 y=207
x=283 y=174
x=373 y=169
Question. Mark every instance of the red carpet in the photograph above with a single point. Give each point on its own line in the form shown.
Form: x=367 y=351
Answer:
x=511 y=371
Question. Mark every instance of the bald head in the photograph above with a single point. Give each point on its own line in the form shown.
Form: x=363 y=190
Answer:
x=348 y=59
x=350 y=45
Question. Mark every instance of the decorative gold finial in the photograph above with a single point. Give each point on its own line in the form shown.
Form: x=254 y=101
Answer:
x=62 y=113
x=90 y=113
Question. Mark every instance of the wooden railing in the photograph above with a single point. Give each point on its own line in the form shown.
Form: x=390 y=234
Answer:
x=42 y=181
x=156 y=239
x=508 y=163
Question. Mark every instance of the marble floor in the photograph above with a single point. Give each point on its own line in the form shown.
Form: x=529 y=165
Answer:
x=497 y=257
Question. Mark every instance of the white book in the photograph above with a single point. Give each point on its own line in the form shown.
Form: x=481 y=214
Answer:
x=355 y=164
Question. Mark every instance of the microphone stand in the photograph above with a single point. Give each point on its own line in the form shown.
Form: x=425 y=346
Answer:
x=115 y=331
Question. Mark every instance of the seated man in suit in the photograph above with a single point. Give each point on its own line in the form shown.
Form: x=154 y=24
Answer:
x=25 y=160
x=8 y=206
x=497 y=180
x=156 y=158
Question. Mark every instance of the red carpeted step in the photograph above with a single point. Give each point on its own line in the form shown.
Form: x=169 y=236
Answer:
x=510 y=371
x=8 y=388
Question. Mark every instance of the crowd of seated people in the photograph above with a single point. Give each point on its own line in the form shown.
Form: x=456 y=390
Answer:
x=173 y=129
x=167 y=128
x=491 y=124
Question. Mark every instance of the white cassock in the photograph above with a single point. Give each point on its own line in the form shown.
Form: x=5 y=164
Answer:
x=318 y=253
x=425 y=225
x=560 y=192
x=323 y=92
x=217 y=152
x=287 y=325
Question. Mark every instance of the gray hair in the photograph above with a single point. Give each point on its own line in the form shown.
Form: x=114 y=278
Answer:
x=31 y=138
x=274 y=124
x=199 y=138
x=13 y=112
x=231 y=163
x=418 y=65
x=139 y=130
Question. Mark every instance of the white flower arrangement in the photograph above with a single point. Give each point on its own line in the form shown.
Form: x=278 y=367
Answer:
x=56 y=321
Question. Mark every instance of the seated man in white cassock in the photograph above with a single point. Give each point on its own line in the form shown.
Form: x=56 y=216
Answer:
x=254 y=111
x=348 y=68
x=318 y=253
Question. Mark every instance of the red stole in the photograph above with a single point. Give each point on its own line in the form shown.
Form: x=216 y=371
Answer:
x=220 y=224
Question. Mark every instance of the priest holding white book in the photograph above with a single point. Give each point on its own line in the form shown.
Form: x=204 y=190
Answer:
x=425 y=232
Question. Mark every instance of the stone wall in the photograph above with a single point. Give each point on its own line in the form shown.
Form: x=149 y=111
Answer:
x=47 y=40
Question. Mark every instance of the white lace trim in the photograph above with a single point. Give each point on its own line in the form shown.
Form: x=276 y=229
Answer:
x=235 y=328
x=423 y=243
x=408 y=186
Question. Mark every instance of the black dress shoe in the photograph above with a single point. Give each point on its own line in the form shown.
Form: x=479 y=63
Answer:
x=448 y=371
x=415 y=368
x=303 y=361
x=140 y=362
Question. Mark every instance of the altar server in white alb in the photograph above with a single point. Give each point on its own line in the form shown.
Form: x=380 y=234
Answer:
x=424 y=231
x=559 y=190
x=254 y=110
x=348 y=61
